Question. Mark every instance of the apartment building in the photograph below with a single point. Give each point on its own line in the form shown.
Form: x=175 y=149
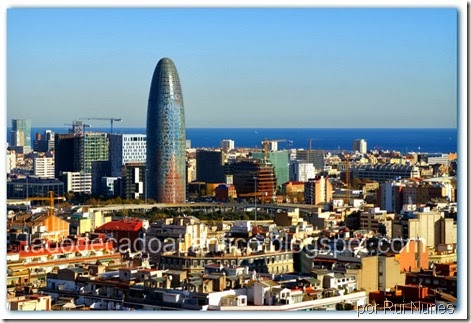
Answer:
x=317 y=190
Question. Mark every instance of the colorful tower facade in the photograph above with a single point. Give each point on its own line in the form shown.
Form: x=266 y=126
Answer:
x=166 y=173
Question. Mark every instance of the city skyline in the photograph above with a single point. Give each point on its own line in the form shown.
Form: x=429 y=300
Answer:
x=325 y=68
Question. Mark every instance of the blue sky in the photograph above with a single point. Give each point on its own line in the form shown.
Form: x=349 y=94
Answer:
x=293 y=68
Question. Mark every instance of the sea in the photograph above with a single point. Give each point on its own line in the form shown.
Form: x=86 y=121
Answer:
x=436 y=140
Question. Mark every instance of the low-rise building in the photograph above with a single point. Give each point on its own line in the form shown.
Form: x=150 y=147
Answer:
x=34 y=302
x=126 y=234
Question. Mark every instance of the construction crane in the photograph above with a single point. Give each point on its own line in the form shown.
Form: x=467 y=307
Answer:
x=112 y=120
x=51 y=199
x=310 y=143
x=265 y=144
x=77 y=127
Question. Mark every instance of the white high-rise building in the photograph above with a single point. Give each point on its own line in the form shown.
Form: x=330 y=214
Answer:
x=359 y=145
x=227 y=144
x=43 y=167
x=302 y=171
x=126 y=148
x=77 y=182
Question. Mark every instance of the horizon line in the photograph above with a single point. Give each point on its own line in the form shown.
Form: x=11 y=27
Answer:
x=252 y=127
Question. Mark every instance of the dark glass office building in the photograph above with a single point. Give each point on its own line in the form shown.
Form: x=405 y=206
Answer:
x=210 y=166
x=166 y=136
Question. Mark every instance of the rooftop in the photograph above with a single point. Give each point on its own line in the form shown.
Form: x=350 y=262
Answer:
x=121 y=225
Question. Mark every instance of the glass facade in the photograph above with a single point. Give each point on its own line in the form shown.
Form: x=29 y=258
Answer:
x=280 y=161
x=31 y=187
x=20 y=132
x=96 y=148
x=244 y=173
x=166 y=136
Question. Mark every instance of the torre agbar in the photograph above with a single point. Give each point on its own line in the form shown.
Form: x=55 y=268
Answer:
x=166 y=136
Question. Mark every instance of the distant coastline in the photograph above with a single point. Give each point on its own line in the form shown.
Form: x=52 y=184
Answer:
x=431 y=140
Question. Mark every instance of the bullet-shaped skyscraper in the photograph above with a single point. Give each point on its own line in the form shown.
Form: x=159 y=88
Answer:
x=166 y=181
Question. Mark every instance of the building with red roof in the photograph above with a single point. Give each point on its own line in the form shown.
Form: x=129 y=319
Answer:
x=124 y=233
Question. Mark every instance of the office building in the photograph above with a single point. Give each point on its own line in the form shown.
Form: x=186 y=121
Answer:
x=126 y=148
x=316 y=157
x=227 y=144
x=78 y=127
x=100 y=169
x=166 y=141
x=96 y=148
x=384 y=172
x=22 y=188
x=210 y=166
x=359 y=145
x=133 y=184
x=109 y=186
x=253 y=177
x=44 y=143
x=67 y=153
x=20 y=132
x=280 y=162
x=75 y=152
x=301 y=171
x=77 y=182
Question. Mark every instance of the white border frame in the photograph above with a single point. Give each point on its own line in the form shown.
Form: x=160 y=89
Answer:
x=462 y=102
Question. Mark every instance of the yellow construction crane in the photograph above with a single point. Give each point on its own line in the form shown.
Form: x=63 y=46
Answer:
x=265 y=144
x=112 y=120
x=51 y=199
